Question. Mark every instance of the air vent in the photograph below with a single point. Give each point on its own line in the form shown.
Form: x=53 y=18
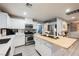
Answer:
x=72 y=12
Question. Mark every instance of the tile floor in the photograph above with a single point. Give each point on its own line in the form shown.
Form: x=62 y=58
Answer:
x=26 y=50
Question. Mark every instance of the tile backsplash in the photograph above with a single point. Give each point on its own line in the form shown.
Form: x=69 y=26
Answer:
x=3 y=32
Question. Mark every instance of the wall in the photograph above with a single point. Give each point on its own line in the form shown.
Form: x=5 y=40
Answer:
x=77 y=27
x=74 y=30
x=45 y=27
x=35 y=25
x=61 y=26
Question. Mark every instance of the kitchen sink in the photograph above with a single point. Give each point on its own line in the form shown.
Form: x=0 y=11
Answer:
x=51 y=36
x=3 y=41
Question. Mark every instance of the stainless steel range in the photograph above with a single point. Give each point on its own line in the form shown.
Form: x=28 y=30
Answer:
x=29 y=31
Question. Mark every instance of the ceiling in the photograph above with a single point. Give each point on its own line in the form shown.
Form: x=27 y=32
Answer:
x=41 y=11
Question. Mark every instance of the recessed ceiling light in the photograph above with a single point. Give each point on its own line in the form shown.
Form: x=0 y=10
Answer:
x=67 y=10
x=25 y=13
x=73 y=17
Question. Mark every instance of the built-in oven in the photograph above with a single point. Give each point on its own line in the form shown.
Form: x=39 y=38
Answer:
x=29 y=31
x=29 y=38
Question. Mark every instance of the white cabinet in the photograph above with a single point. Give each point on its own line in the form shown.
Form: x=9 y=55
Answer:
x=16 y=23
x=19 y=39
x=43 y=47
x=0 y=21
x=47 y=49
x=11 y=23
x=21 y=24
x=3 y=20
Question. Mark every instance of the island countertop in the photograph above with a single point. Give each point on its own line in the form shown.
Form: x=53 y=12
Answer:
x=64 y=42
x=5 y=47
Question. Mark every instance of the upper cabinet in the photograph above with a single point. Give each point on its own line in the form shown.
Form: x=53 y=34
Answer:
x=11 y=23
x=3 y=20
x=15 y=23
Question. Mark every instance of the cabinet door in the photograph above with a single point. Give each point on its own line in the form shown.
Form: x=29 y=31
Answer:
x=3 y=20
x=9 y=23
x=21 y=24
x=19 y=41
x=15 y=23
x=42 y=47
x=0 y=21
x=12 y=24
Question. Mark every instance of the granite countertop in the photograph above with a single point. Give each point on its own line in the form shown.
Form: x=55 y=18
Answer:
x=64 y=42
x=5 y=47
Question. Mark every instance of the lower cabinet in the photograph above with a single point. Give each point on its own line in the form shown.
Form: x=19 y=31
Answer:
x=19 y=39
x=47 y=49
x=42 y=48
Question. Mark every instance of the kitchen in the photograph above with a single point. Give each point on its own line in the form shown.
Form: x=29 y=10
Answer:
x=38 y=32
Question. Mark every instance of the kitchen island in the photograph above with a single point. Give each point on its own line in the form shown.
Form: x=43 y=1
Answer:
x=7 y=46
x=47 y=46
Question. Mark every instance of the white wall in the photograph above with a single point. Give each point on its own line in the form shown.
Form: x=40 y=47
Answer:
x=61 y=26
x=35 y=25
